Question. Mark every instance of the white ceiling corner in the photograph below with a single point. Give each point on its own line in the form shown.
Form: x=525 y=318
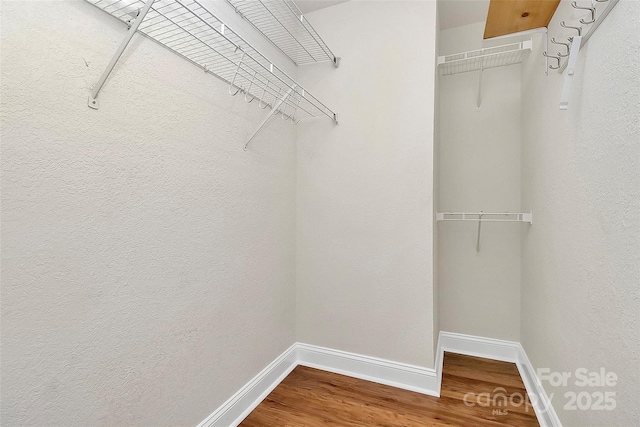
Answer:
x=307 y=6
x=456 y=13
x=452 y=13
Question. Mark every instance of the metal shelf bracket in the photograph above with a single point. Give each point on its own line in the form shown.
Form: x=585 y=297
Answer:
x=93 y=96
x=479 y=103
x=571 y=70
x=271 y=113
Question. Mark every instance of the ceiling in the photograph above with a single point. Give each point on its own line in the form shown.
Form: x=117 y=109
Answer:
x=455 y=13
x=307 y=6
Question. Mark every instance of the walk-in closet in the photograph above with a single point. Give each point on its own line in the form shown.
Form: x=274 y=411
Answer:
x=300 y=213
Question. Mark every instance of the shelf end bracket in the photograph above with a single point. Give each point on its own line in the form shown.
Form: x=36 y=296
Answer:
x=479 y=227
x=93 y=97
x=571 y=70
x=273 y=112
x=479 y=101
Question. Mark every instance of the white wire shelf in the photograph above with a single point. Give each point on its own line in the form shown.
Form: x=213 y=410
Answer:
x=480 y=217
x=284 y=25
x=486 y=216
x=191 y=31
x=480 y=59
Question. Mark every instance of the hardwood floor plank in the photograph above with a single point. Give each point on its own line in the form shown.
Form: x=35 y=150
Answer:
x=310 y=397
x=492 y=371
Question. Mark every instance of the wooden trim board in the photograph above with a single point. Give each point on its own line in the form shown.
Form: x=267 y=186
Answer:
x=513 y=16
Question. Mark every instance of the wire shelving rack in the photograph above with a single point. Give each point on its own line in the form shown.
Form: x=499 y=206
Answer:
x=486 y=216
x=480 y=59
x=190 y=30
x=480 y=217
x=284 y=25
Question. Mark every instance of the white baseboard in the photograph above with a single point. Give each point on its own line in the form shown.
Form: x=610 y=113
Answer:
x=395 y=374
x=489 y=348
x=506 y=351
x=409 y=377
x=547 y=416
x=236 y=409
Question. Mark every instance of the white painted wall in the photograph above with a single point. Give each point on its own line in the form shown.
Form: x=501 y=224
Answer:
x=479 y=170
x=148 y=262
x=436 y=189
x=364 y=206
x=581 y=178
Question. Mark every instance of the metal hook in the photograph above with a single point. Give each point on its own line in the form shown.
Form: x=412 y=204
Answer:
x=578 y=29
x=235 y=75
x=284 y=117
x=557 y=58
x=567 y=45
x=285 y=102
x=292 y=117
x=236 y=92
x=249 y=90
x=266 y=104
x=590 y=9
x=276 y=96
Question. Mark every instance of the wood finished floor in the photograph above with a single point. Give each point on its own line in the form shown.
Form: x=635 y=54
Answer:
x=310 y=397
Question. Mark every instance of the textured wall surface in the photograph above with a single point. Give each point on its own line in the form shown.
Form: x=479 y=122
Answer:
x=581 y=178
x=148 y=262
x=479 y=170
x=364 y=211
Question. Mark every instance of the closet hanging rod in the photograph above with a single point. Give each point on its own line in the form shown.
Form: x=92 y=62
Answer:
x=194 y=33
x=284 y=25
x=482 y=216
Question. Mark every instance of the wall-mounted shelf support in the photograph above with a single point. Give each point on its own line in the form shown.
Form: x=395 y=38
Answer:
x=480 y=217
x=272 y=113
x=133 y=27
x=480 y=88
x=546 y=49
x=478 y=239
x=571 y=69
x=577 y=42
x=601 y=17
